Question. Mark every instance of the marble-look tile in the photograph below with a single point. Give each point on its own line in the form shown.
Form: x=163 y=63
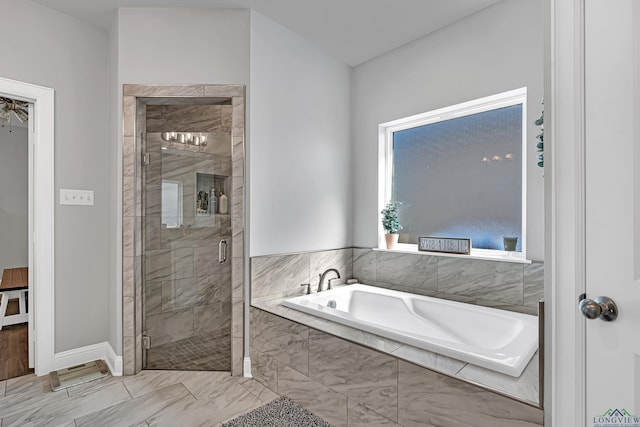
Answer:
x=206 y=262
x=208 y=412
x=128 y=156
x=237 y=311
x=129 y=196
x=166 y=264
x=237 y=277
x=264 y=369
x=368 y=339
x=237 y=356
x=428 y=397
x=196 y=118
x=153 y=232
x=162 y=90
x=223 y=91
x=273 y=275
x=236 y=202
x=491 y=280
x=64 y=411
x=430 y=360
x=128 y=316
x=3 y=387
x=366 y=376
x=192 y=291
x=128 y=355
x=25 y=397
x=364 y=264
x=149 y=381
x=275 y=307
x=259 y=390
x=340 y=259
x=317 y=398
x=138 y=351
x=168 y=327
x=153 y=298
x=129 y=115
x=358 y=415
x=128 y=276
x=153 y=200
x=455 y=297
x=128 y=236
x=415 y=271
x=27 y=385
x=524 y=387
x=533 y=284
x=237 y=116
x=212 y=317
x=93 y=386
x=135 y=411
x=282 y=339
x=417 y=291
x=226 y=117
x=237 y=154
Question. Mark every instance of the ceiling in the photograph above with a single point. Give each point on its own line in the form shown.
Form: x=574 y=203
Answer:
x=351 y=30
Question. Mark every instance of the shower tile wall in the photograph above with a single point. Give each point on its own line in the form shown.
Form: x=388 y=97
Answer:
x=189 y=274
x=187 y=292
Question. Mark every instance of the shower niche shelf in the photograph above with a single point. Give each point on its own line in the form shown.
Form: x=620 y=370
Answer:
x=208 y=187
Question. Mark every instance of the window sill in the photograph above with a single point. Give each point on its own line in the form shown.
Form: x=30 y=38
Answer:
x=482 y=254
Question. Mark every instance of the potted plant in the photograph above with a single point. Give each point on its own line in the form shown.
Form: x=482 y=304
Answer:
x=391 y=224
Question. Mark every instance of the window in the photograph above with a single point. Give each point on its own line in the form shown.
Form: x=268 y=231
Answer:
x=459 y=171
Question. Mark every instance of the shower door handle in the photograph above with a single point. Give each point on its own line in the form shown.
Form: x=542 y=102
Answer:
x=222 y=251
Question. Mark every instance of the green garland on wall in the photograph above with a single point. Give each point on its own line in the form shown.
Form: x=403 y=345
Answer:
x=540 y=138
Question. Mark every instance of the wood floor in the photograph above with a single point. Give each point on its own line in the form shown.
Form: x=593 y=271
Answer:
x=14 y=349
x=149 y=399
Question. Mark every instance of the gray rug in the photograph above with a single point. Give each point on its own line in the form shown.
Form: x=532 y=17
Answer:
x=282 y=412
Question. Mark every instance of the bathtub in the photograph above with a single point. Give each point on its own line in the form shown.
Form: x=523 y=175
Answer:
x=499 y=340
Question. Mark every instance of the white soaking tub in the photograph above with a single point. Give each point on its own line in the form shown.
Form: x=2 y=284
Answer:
x=499 y=340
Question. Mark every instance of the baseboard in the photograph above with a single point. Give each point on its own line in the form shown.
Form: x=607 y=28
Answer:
x=246 y=367
x=85 y=354
x=114 y=362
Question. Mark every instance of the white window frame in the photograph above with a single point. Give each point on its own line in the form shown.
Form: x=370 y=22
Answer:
x=385 y=155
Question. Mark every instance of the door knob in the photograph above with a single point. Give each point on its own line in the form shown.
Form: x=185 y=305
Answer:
x=603 y=307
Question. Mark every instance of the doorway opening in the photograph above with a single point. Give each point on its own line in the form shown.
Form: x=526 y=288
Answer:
x=14 y=228
x=31 y=283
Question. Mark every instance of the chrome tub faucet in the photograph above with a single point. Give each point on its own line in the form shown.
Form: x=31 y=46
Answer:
x=322 y=277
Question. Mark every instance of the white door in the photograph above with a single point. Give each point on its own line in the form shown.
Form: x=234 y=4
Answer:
x=612 y=131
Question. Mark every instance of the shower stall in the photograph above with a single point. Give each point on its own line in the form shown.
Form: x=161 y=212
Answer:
x=187 y=185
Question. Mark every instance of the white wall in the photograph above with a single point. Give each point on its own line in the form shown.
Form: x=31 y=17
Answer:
x=497 y=49
x=14 y=197
x=300 y=152
x=65 y=54
x=173 y=45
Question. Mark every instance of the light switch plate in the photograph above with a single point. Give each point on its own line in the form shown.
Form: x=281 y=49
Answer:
x=76 y=197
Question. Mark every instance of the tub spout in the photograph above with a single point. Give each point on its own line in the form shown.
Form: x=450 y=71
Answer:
x=323 y=275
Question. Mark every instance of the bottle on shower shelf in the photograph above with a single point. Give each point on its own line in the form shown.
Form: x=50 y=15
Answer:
x=223 y=203
x=214 y=201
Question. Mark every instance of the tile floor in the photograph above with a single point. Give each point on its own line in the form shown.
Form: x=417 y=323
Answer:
x=151 y=398
x=205 y=352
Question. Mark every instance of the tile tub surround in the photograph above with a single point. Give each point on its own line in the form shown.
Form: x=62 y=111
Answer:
x=504 y=285
x=274 y=276
x=351 y=384
x=187 y=264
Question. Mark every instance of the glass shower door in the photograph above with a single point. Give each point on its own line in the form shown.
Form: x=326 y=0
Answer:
x=187 y=231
